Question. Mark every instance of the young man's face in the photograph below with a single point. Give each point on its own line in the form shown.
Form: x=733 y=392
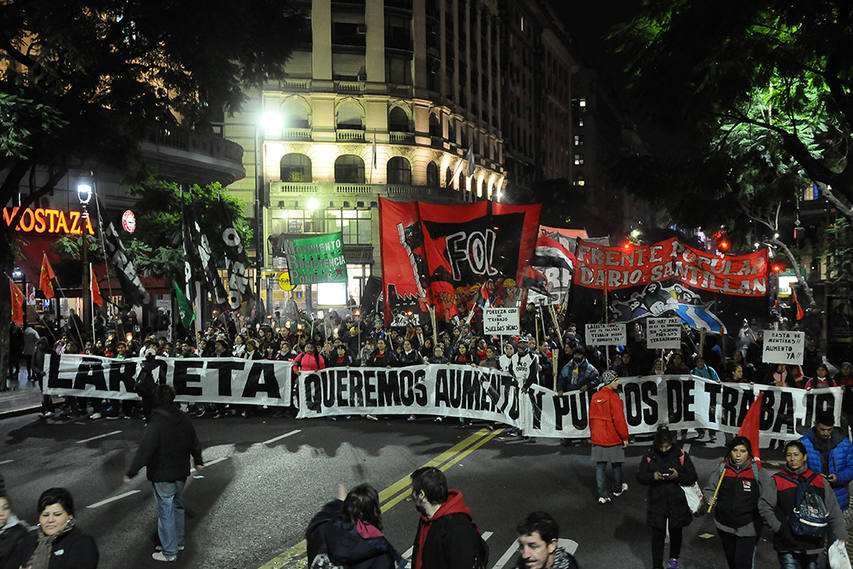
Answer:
x=535 y=553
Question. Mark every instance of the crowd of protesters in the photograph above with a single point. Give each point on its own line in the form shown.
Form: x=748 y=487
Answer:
x=554 y=358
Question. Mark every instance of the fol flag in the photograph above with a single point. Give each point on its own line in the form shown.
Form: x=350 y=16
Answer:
x=800 y=313
x=131 y=285
x=433 y=251
x=46 y=278
x=95 y=289
x=185 y=309
x=236 y=260
x=749 y=427
x=17 y=303
x=470 y=160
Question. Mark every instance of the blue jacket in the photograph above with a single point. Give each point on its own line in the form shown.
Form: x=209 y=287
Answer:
x=707 y=372
x=587 y=374
x=840 y=462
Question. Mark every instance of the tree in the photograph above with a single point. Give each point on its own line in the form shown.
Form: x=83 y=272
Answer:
x=781 y=69
x=82 y=82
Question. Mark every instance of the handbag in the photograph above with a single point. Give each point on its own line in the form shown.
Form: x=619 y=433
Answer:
x=838 y=558
x=694 y=497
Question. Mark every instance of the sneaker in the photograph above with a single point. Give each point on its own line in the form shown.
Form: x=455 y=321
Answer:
x=112 y=417
x=371 y=417
x=604 y=500
x=411 y=418
x=95 y=416
x=673 y=563
x=160 y=556
x=622 y=490
x=438 y=419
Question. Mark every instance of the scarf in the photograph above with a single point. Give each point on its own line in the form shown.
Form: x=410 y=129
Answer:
x=40 y=558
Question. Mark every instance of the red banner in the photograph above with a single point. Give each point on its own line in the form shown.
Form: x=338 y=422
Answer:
x=429 y=251
x=614 y=268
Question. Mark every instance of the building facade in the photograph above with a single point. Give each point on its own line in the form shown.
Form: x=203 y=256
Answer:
x=386 y=99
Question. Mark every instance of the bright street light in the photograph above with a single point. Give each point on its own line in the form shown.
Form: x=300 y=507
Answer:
x=312 y=203
x=271 y=122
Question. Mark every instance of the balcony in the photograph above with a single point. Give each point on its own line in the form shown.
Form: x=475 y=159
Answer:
x=349 y=86
x=296 y=134
x=330 y=190
x=186 y=155
x=296 y=84
x=402 y=137
x=350 y=135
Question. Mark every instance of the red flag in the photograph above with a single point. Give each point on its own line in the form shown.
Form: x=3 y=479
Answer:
x=17 y=303
x=800 y=312
x=46 y=277
x=749 y=427
x=96 y=290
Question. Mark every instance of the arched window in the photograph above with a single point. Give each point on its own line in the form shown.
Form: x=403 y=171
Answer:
x=448 y=178
x=398 y=121
x=434 y=125
x=432 y=175
x=349 y=117
x=295 y=115
x=295 y=168
x=399 y=171
x=349 y=169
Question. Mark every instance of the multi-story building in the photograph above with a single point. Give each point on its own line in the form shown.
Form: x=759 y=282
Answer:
x=381 y=99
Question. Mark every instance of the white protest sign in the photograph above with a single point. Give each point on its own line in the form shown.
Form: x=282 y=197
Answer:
x=606 y=334
x=783 y=347
x=663 y=333
x=501 y=321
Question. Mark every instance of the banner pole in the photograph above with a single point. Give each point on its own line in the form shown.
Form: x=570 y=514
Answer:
x=92 y=302
x=554 y=357
x=556 y=325
x=536 y=324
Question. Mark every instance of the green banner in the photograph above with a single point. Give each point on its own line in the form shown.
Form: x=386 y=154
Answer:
x=318 y=259
x=185 y=309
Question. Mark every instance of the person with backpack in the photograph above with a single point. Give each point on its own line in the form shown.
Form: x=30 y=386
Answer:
x=831 y=454
x=735 y=505
x=347 y=532
x=665 y=469
x=447 y=537
x=801 y=511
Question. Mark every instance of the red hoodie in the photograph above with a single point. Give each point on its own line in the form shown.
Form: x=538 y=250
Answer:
x=607 y=425
x=454 y=505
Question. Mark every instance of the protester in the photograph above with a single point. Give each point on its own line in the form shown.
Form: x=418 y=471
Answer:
x=703 y=370
x=821 y=378
x=348 y=532
x=538 y=544
x=778 y=501
x=831 y=454
x=309 y=360
x=609 y=437
x=665 y=469
x=578 y=374
x=446 y=536
x=165 y=451
x=57 y=542
x=735 y=502
x=381 y=357
x=13 y=534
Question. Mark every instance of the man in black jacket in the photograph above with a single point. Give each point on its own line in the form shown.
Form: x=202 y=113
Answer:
x=447 y=537
x=165 y=451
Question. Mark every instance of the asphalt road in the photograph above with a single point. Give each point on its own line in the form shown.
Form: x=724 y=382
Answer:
x=267 y=477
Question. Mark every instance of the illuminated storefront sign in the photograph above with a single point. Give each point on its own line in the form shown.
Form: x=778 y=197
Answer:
x=128 y=221
x=43 y=220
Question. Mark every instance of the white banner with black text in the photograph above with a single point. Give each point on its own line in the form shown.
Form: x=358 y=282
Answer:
x=200 y=380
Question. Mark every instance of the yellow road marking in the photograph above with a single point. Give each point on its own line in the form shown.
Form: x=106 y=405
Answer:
x=397 y=491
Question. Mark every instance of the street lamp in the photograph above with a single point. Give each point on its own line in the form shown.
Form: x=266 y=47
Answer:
x=85 y=190
x=270 y=123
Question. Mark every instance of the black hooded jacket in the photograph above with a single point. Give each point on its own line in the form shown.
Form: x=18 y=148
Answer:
x=165 y=451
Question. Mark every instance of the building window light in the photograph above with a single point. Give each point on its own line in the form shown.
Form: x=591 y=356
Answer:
x=578 y=159
x=578 y=140
x=579 y=181
x=582 y=103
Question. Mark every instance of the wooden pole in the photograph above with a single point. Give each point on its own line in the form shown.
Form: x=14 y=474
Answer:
x=716 y=490
x=554 y=357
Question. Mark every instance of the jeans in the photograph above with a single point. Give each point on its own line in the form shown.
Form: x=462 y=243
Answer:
x=601 y=478
x=788 y=560
x=170 y=523
x=739 y=550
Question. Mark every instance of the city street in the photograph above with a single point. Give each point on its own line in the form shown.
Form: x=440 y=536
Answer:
x=267 y=477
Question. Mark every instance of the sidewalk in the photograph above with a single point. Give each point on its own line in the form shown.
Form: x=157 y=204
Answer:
x=21 y=398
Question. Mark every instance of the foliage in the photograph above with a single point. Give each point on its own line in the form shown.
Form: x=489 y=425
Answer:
x=158 y=248
x=750 y=80
x=839 y=251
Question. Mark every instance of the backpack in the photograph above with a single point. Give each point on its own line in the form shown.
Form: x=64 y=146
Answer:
x=481 y=561
x=810 y=516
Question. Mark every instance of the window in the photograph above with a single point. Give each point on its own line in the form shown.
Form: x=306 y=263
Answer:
x=432 y=175
x=579 y=181
x=349 y=117
x=295 y=115
x=398 y=120
x=434 y=125
x=349 y=169
x=296 y=221
x=578 y=158
x=399 y=171
x=451 y=131
x=579 y=120
x=398 y=69
x=355 y=224
x=578 y=140
x=448 y=178
x=295 y=168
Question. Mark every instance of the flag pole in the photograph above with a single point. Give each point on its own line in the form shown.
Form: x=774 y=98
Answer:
x=92 y=301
